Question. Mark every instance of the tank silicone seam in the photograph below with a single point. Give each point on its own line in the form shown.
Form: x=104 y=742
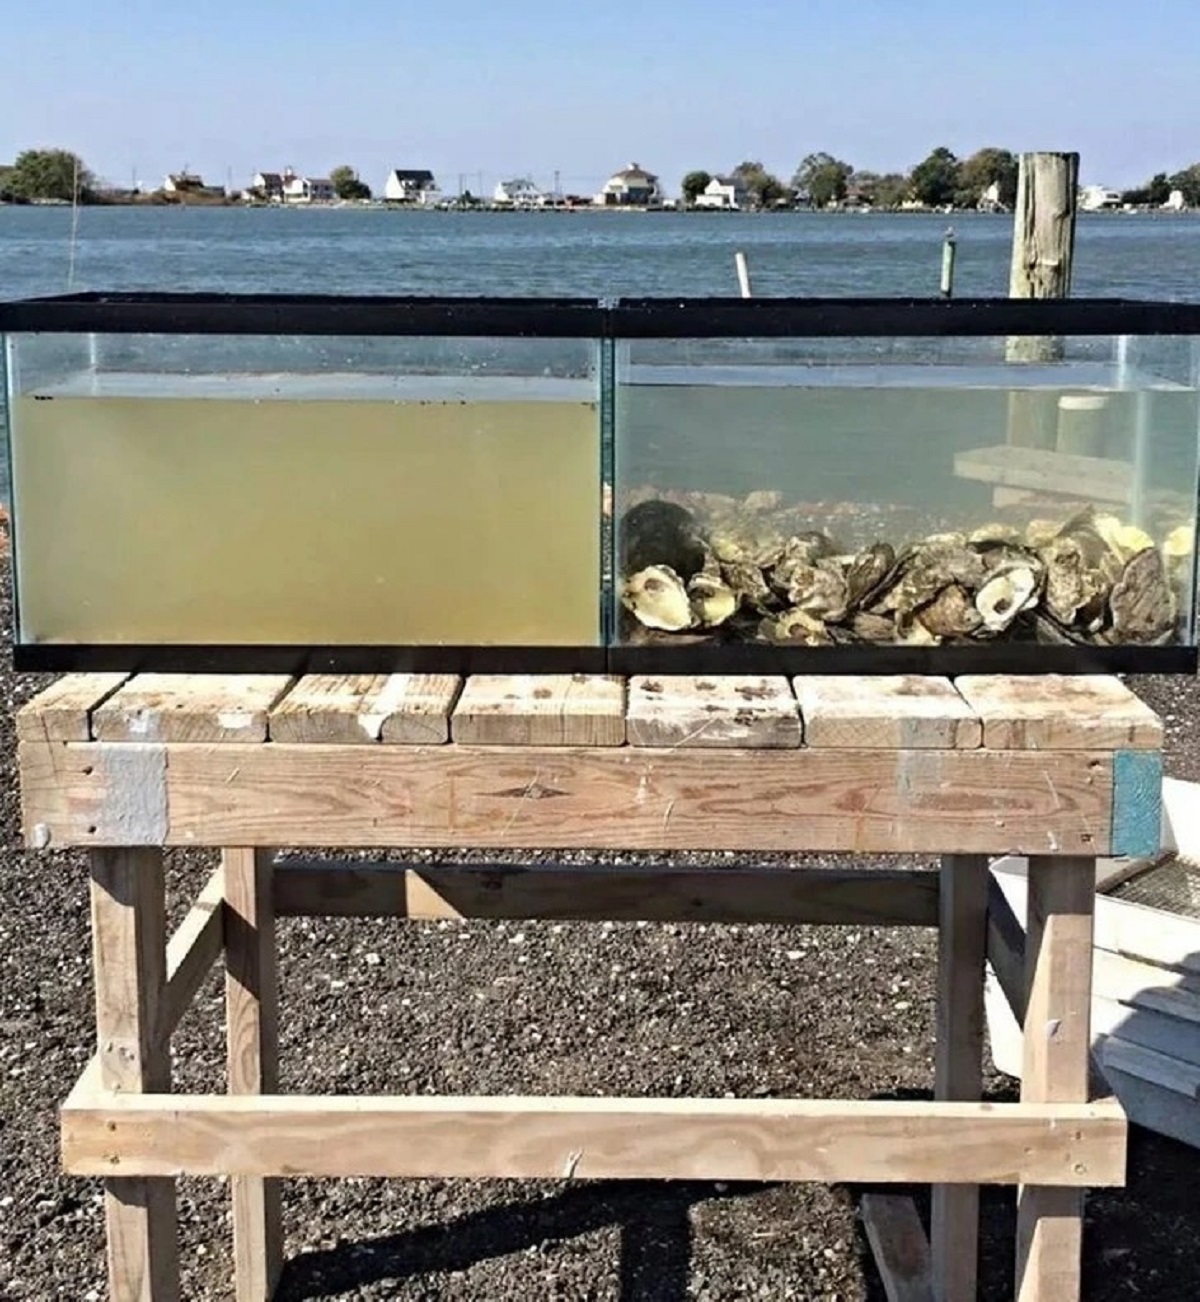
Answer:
x=608 y=487
x=8 y=386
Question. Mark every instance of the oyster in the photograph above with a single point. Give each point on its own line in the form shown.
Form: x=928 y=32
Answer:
x=713 y=602
x=1179 y=542
x=660 y=533
x=796 y=628
x=821 y=591
x=800 y=551
x=815 y=544
x=1177 y=548
x=1039 y=532
x=995 y=532
x=729 y=546
x=711 y=566
x=998 y=555
x=1075 y=590
x=1007 y=592
x=763 y=500
x=1141 y=603
x=739 y=544
x=952 y=613
x=917 y=634
x=872 y=628
x=1123 y=540
x=1094 y=547
x=657 y=598
x=867 y=571
x=748 y=584
x=923 y=571
x=711 y=504
x=1050 y=633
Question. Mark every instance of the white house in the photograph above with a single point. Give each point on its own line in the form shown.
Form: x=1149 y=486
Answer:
x=1096 y=198
x=269 y=185
x=411 y=185
x=1175 y=202
x=518 y=193
x=723 y=192
x=183 y=183
x=631 y=187
x=308 y=189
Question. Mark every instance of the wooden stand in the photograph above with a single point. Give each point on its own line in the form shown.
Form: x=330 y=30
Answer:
x=1062 y=770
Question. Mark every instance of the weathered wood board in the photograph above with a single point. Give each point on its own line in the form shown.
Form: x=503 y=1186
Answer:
x=351 y=709
x=63 y=712
x=540 y=710
x=895 y=711
x=190 y=707
x=1092 y=479
x=974 y=801
x=729 y=711
x=1060 y=712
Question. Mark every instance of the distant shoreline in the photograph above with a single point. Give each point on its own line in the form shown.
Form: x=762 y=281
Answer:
x=957 y=214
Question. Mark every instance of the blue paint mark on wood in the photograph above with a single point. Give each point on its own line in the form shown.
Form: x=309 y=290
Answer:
x=1137 y=803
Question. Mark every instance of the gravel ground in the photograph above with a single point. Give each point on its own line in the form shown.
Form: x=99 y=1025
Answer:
x=387 y=1006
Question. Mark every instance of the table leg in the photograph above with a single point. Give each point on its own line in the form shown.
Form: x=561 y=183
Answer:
x=1058 y=973
x=958 y=1069
x=251 y=1016
x=129 y=956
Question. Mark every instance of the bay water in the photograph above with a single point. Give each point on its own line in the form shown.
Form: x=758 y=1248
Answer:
x=379 y=251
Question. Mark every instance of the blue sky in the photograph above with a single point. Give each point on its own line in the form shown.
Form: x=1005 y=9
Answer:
x=509 y=87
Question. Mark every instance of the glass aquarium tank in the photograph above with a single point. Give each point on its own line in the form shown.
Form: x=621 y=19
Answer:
x=266 y=483
x=196 y=476
x=933 y=486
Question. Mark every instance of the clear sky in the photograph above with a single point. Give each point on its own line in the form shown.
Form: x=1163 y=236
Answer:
x=511 y=87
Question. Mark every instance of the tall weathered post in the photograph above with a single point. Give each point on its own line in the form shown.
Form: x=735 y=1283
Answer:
x=1043 y=256
x=1043 y=242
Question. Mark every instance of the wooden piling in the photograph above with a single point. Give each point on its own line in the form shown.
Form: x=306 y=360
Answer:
x=1043 y=255
x=1043 y=242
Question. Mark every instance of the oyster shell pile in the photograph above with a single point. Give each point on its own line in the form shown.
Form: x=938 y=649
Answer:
x=1089 y=579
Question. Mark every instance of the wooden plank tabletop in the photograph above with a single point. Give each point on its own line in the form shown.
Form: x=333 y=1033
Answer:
x=907 y=712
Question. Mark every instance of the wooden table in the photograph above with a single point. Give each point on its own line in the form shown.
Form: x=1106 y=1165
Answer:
x=1063 y=770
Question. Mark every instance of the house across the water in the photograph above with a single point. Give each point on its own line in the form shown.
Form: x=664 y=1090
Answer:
x=411 y=185
x=631 y=187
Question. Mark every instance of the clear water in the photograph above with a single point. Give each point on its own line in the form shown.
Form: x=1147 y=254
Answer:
x=869 y=443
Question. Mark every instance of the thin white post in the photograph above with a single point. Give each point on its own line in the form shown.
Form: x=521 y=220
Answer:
x=743 y=273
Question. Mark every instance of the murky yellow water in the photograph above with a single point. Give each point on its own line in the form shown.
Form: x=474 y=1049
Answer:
x=149 y=519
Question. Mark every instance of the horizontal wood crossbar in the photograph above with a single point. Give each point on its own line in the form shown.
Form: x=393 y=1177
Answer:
x=866 y=801
x=1073 y=1144
x=346 y=888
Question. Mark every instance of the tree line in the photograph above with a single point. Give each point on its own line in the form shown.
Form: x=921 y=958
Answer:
x=47 y=174
x=1157 y=190
x=938 y=181
x=941 y=180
